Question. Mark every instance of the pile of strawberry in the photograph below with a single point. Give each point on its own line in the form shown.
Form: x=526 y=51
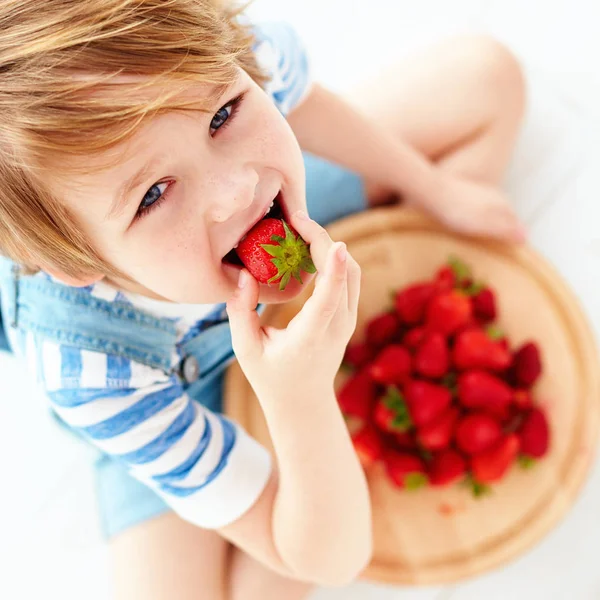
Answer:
x=437 y=393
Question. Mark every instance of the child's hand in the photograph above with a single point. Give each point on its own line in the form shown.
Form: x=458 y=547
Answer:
x=475 y=209
x=304 y=358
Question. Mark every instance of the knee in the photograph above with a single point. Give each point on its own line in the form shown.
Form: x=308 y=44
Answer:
x=498 y=69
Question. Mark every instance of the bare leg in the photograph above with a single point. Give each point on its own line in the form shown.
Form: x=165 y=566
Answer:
x=249 y=580
x=168 y=559
x=460 y=103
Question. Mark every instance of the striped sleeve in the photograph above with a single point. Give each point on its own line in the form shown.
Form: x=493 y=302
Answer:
x=280 y=52
x=207 y=468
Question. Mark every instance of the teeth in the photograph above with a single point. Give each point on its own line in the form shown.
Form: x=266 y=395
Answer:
x=272 y=204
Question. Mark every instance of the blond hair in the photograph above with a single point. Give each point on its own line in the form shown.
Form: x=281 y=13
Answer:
x=50 y=115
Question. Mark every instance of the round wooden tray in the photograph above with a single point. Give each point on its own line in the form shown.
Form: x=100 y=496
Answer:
x=435 y=536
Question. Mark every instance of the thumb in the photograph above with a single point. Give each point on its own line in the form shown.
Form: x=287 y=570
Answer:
x=246 y=332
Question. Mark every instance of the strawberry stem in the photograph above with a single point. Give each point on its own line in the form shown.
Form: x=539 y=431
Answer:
x=395 y=401
x=414 y=481
x=291 y=255
x=460 y=269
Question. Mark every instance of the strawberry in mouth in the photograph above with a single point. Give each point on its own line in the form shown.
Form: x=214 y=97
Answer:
x=272 y=251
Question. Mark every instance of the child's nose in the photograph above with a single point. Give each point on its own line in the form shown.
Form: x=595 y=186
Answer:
x=236 y=193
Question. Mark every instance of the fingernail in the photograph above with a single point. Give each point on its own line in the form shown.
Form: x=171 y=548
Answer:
x=242 y=279
x=342 y=253
x=300 y=214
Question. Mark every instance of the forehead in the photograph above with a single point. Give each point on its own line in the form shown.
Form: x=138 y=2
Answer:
x=153 y=113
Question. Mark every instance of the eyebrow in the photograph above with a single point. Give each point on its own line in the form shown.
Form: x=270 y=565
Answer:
x=121 y=198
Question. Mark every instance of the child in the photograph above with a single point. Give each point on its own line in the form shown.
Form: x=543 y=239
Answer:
x=137 y=149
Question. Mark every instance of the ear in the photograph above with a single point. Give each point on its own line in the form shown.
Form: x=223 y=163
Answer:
x=74 y=281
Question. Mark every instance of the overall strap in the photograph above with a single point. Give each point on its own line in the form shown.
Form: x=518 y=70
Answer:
x=72 y=316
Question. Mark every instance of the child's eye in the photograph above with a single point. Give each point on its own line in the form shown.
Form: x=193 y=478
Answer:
x=225 y=114
x=220 y=117
x=152 y=199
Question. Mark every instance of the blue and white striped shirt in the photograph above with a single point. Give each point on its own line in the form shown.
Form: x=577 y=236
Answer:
x=207 y=468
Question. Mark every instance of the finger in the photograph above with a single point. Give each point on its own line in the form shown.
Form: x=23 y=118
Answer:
x=341 y=315
x=354 y=280
x=321 y=307
x=314 y=235
x=244 y=321
x=506 y=226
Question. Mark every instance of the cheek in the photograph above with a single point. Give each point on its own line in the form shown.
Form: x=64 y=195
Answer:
x=274 y=140
x=167 y=253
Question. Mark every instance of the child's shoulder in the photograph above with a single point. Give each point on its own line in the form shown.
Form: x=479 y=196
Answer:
x=282 y=55
x=96 y=338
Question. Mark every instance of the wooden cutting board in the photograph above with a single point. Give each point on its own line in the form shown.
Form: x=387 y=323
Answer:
x=435 y=536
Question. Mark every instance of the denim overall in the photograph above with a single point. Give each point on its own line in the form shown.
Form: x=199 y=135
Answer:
x=71 y=316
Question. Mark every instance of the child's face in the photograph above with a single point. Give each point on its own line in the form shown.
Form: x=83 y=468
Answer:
x=211 y=177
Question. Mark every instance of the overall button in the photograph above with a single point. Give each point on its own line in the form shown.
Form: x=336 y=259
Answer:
x=190 y=369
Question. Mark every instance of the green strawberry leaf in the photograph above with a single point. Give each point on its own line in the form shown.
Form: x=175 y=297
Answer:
x=477 y=488
x=414 y=481
x=460 y=269
x=291 y=255
x=401 y=422
x=474 y=289
x=526 y=462
x=394 y=400
x=346 y=367
x=450 y=382
x=494 y=332
x=426 y=455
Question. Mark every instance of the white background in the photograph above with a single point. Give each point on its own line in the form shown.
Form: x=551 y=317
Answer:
x=49 y=539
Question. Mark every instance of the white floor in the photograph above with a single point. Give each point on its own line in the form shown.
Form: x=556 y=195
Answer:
x=49 y=540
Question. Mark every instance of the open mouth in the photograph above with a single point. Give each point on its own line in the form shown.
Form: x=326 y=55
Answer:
x=274 y=212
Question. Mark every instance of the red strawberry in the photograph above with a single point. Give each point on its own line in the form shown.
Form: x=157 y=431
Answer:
x=477 y=433
x=432 y=357
x=392 y=365
x=411 y=302
x=527 y=364
x=534 y=434
x=368 y=446
x=474 y=349
x=382 y=329
x=414 y=337
x=446 y=467
x=479 y=389
x=273 y=252
x=358 y=355
x=391 y=413
x=448 y=312
x=405 y=470
x=426 y=401
x=445 y=279
x=438 y=434
x=522 y=399
x=492 y=464
x=357 y=396
x=405 y=440
x=484 y=305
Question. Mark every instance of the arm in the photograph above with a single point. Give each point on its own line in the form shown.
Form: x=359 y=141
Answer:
x=315 y=512
x=318 y=511
x=175 y=446
x=327 y=126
